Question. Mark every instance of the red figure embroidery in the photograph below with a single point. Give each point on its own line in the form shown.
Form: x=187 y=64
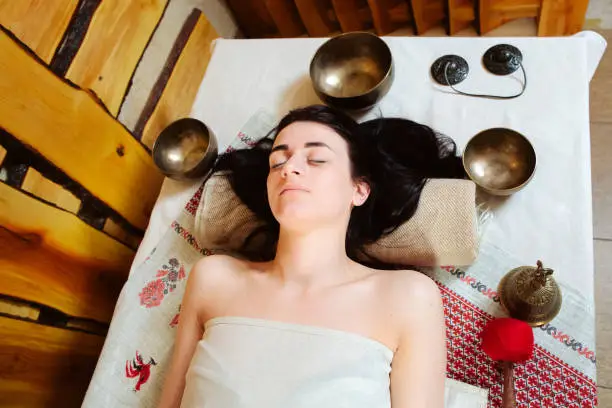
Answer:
x=137 y=368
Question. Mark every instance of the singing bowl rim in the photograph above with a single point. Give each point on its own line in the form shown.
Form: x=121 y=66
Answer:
x=381 y=83
x=499 y=191
x=172 y=131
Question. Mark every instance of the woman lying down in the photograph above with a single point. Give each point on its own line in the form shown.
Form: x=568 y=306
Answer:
x=307 y=322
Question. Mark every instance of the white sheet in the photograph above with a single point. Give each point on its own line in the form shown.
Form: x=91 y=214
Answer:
x=550 y=219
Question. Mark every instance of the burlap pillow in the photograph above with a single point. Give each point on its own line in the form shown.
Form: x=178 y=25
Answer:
x=443 y=230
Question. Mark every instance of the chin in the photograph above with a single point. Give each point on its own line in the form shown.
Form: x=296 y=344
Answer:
x=300 y=219
x=294 y=217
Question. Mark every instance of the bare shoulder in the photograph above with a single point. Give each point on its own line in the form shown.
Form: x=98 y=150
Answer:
x=412 y=290
x=215 y=279
x=217 y=261
x=414 y=282
x=217 y=268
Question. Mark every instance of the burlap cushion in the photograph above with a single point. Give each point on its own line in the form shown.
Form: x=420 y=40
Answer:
x=443 y=230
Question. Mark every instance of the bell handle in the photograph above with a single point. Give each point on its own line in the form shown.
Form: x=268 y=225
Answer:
x=542 y=269
x=540 y=275
x=508 y=398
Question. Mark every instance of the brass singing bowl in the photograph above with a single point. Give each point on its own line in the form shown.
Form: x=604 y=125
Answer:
x=186 y=149
x=499 y=160
x=352 y=71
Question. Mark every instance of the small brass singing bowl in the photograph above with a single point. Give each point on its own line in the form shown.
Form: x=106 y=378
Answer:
x=352 y=71
x=500 y=161
x=186 y=149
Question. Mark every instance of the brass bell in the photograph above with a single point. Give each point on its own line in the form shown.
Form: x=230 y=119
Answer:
x=530 y=294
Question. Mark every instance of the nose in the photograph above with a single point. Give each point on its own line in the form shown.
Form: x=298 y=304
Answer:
x=291 y=166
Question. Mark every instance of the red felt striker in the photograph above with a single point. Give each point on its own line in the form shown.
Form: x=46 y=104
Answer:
x=511 y=341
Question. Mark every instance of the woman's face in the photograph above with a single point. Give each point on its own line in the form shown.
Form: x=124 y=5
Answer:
x=310 y=181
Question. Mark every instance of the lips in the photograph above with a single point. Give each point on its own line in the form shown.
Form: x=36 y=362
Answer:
x=287 y=189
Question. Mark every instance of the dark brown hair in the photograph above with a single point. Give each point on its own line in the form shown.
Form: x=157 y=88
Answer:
x=394 y=156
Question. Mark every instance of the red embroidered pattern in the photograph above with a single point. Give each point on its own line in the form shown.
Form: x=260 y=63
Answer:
x=247 y=140
x=138 y=368
x=175 y=320
x=190 y=239
x=543 y=381
x=192 y=204
x=167 y=278
x=153 y=293
x=571 y=343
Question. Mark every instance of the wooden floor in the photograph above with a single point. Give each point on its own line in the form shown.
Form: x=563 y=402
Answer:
x=601 y=150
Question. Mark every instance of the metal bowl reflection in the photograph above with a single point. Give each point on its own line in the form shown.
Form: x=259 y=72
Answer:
x=500 y=160
x=186 y=149
x=352 y=71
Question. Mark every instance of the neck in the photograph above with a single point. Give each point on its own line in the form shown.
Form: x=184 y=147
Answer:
x=314 y=258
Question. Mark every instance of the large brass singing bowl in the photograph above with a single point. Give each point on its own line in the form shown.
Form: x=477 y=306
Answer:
x=186 y=149
x=352 y=71
x=500 y=161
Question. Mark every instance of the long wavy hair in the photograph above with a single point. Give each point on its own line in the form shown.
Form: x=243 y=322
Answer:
x=394 y=156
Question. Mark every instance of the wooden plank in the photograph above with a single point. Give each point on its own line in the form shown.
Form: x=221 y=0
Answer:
x=517 y=13
x=465 y=13
x=20 y=159
x=2 y=154
x=575 y=17
x=43 y=366
x=427 y=14
x=460 y=15
x=15 y=308
x=347 y=12
x=52 y=258
x=286 y=17
x=116 y=231
x=87 y=326
x=561 y=17
x=164 y=76
x=113 y=45
x=253 y=18
x=44 y=188
x=389 y=15
x=487 y=18
x=180 y=92
x=435 y=12
x=493 y=14
x=530 y=7
x=74 y=36
x=67 y=127
x=380 y=15
x=400 y=14
x=38 y=24
x=315 y=16
x=552 y=18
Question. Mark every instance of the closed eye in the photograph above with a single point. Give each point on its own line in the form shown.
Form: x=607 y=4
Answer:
x=312 y=161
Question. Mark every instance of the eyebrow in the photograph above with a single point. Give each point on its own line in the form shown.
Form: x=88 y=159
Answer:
x=309 y=144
